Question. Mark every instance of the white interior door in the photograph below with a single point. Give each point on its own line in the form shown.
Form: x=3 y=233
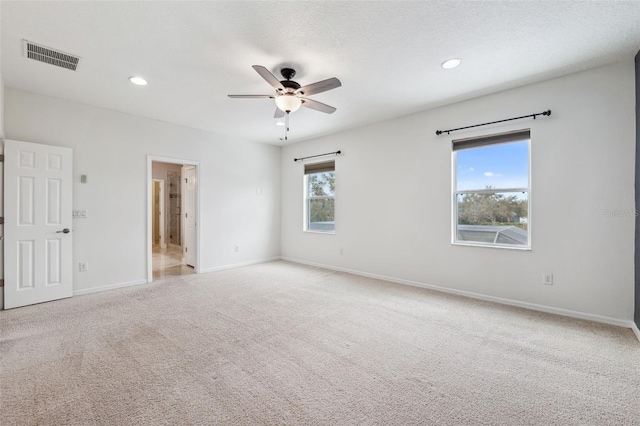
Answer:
x=190 y=217
x=38 y=255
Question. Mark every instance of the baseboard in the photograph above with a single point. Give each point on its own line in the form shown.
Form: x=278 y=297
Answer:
x=108 y=287
x=138 y=282
x=635 y=329
x=510 y=302
x=237 y=265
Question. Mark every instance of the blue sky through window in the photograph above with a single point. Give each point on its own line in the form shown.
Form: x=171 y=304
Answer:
x=499 y=166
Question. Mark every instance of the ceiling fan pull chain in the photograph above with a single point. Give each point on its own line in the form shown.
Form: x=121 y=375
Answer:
x=286 y=126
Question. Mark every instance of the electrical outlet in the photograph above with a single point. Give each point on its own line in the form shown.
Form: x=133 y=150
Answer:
x=237 y=249
x=83 y=266
x=547 y=279
x=258 y=191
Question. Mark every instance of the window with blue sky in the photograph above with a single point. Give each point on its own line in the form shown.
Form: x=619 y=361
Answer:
x=504 y=165
x=491 y=190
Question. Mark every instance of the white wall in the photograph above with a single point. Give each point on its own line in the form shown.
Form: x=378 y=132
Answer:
x=393 y=201
x=160 y=170
x=111 y=148
x=1 y=105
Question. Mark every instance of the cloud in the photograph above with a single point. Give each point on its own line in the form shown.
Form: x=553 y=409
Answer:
x=471 y=169
x=491 y=174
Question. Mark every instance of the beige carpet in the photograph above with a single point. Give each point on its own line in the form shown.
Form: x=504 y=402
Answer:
x=281 y=343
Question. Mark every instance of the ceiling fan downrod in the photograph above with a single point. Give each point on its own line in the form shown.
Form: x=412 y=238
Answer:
x=288 y=73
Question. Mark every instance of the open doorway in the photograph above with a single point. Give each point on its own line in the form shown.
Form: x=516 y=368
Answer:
x=172 y=219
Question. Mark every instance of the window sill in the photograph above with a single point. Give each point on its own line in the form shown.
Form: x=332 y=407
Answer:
x=455 y=243
x=320 y=232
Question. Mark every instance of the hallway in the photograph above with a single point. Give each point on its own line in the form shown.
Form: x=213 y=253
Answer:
x=168 y=262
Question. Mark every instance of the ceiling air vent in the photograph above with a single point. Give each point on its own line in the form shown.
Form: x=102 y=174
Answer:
x=50 y=56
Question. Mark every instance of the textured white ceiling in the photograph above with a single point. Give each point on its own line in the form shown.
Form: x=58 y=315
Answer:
x=387 y=55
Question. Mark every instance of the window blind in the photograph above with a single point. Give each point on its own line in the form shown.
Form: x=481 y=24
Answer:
x=325 y=166
x=519 y=135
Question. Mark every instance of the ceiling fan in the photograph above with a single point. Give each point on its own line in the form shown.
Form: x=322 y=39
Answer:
x=290 y=95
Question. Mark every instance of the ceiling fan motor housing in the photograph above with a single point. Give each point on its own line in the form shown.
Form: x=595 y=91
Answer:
x=290 y=85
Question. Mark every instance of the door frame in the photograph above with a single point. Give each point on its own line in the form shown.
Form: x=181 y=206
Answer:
x=149 y=234
x=162 y=223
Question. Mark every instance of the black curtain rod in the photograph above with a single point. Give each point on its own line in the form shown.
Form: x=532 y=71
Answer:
x=319 y=155
x=547 y=112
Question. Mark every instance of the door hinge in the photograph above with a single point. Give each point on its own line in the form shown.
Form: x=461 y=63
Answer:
x=1 y=158
x=186 y=249
x=1 y=283
x=1 y=220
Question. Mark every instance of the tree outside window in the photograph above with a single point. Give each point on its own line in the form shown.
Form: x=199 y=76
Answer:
x=491 y=190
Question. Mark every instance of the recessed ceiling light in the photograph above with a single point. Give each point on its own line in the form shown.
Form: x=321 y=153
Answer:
x=279 y=123
x=451 y=63
x=138 y=80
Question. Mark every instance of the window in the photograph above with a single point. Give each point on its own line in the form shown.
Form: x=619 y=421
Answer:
x=320 y=191
x=491 y=190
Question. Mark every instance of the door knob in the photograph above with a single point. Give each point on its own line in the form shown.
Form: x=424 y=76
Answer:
x=64 y=231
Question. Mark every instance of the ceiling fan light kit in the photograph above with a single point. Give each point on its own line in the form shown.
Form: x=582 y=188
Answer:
x=289 y=94
x=288 y=102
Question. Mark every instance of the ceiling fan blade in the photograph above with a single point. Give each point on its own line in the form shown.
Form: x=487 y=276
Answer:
x=319 y=87
x=270 y=78
x=318 y=106
x=251 y=96
x=279 y=113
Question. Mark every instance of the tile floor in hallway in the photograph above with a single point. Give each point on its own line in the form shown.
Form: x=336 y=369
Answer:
x=168 y=262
